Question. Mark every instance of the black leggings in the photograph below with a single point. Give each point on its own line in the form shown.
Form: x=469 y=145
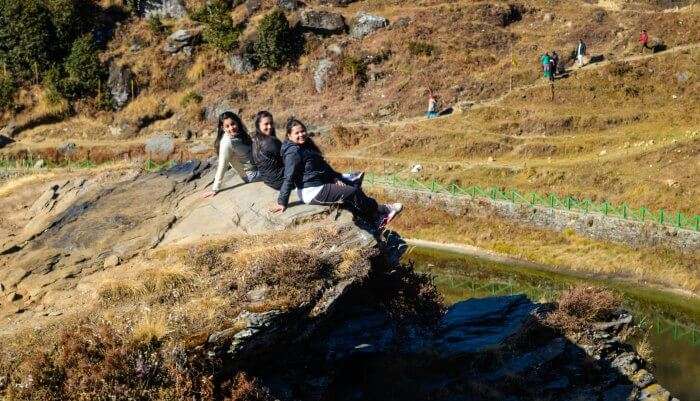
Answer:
x=351 y=197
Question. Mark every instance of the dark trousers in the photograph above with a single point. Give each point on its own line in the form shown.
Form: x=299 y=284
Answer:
x=350 y=197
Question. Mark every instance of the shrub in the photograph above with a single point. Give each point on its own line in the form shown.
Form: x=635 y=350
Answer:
x=83 y=69
x=274 y=45
x=355 y=67
x=26 y=36
x=71 y=20
x=8 y=87
x=189 y=98
x=219 y=31
x=421 y=48
x=155 y=24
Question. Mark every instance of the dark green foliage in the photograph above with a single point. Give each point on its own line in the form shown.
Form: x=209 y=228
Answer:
x=38 y=34
x=27 y=36
x=421 y=48
x=191 y=97
x=355 y=67
x=219 y=31
x=156 y=25
x=274 y=47
x=83 y=69
x=8 y=87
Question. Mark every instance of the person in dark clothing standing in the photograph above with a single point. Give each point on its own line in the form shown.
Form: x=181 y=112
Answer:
x=318 y=184
x=554 y=61
x=266 y=150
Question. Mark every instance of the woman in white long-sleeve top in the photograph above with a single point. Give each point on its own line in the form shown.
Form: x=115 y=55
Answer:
x=234 y=147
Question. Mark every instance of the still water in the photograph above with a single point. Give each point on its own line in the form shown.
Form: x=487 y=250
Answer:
x=671 y=321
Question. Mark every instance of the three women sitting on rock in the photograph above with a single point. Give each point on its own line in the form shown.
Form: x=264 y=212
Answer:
x=296 y=163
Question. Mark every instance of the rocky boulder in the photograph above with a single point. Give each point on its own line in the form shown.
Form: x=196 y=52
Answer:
x=240 y=63
x=322 y=21
x=119 y=84
x=182 y=40
x=289 y=5
x=160 y=147
x=322 y=73
x=364 y=24
x=161 y=8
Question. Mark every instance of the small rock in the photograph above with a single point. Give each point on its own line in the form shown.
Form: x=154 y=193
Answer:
x=683 y=76
x=13 y=296
x=642 y=378
x=322 y=73
x=161 y=8
x=548 y=17
x=323 y=21
x=365 y=24
x=258 y=293
x=39 y=164
x=626 y=363
x=111 y=261
x=603 y=152
x=290 y=5
x=181 y=39
x=654 y=392
x=160 y=147
x=67 y=149
x=417 y=168
x=491 y=159
x=671 y=183
x=252 y=6
x=240 y=63
x=335 y=50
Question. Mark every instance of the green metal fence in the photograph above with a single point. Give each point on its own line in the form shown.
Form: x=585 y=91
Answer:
x=471 y=287
x=569 y=203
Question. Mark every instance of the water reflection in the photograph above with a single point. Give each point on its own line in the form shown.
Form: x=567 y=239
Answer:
x=671 y=321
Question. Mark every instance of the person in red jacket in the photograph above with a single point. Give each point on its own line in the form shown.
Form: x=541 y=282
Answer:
x=644 y=39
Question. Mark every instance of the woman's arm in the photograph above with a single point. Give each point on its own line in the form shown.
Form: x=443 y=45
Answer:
x=292 y=161
x=224 y=154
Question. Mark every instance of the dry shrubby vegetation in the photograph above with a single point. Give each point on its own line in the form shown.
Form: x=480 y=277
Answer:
x=579 y=307
x=145 y=336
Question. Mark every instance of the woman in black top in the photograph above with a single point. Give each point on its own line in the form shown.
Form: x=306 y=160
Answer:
x=266 y=150
x=318 y=184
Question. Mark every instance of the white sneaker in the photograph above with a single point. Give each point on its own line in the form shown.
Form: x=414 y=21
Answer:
x=394 y=210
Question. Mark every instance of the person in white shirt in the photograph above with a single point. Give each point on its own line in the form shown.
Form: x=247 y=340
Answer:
x=234 y=147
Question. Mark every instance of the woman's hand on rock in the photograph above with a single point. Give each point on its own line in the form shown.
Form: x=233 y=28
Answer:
x=209 y=194
x=278 y=209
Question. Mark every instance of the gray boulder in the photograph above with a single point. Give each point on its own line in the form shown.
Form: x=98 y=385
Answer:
x=252 y=6
x=10 y=130
x=290 y=5
x=364 y=24
x=182 y=38
x=68 y=149
x=161 y=8
x=240 y=63
x=321 y=74
x=119 y=83
x=322 y=21
x=160 y=147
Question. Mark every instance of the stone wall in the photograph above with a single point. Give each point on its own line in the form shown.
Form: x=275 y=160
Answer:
x=591 y=225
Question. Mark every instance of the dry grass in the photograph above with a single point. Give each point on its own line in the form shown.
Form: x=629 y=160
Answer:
x=144 y=104
x=150 y=329
x=579 y=307
x=567 y=251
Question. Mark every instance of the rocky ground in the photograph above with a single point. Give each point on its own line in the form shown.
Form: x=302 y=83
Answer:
x=130 y=285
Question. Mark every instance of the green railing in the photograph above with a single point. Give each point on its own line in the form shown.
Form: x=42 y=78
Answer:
x=471 y=287
x=569 y=203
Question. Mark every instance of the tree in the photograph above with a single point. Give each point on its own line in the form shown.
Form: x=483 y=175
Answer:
x=83 y=70
x=274 y=46
x=26 y=37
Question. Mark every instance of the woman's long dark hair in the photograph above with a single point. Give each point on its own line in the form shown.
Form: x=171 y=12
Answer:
x=241 y=133
x=260 y=139
x=293 y=122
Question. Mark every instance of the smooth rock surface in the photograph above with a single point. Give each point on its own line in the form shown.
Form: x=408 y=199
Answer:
x=322 y=21
x=365 y=23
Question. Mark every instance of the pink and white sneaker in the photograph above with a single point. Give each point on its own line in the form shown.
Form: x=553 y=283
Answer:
x=394 y=210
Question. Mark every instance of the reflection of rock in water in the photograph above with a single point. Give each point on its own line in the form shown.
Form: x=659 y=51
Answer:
x=370 y=331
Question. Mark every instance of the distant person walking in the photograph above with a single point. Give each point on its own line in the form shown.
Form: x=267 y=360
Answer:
x=580 y=52
x=546 y=61
x=644 y=40
x=432 y=106
x=555 y=63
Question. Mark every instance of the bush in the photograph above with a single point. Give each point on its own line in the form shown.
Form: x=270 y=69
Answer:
x=274 y=46
x=421 y=48
x=191 y=97
x=71 y=20
x=8 y=87
x=355 y=67
x=219 y=31
x=26 y=37
x=83 y=69
x=155 y=24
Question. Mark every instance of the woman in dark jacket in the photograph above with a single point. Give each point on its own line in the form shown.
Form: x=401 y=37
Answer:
x=318 y=184
x=267 y=150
